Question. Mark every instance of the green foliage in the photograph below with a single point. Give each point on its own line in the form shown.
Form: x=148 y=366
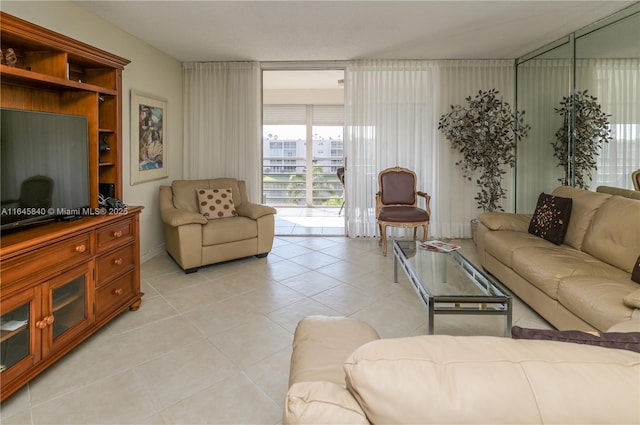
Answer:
x=485 y=132
x=590 y=132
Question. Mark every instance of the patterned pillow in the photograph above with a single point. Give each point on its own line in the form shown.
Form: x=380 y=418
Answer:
x=550 y=220
x=216 y=203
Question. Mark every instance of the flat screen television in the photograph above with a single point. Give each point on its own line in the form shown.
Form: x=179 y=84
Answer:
x=44 y=166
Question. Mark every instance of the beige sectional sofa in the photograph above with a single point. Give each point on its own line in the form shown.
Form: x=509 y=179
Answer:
x=342 y=373
x=581 y=284
x=194 y=241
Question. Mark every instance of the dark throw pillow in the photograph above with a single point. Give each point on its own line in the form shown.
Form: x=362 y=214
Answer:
x=551 y=218
x=621 y=340
x=635 y=273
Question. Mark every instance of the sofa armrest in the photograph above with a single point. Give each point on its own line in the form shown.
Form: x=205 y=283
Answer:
x=254 y=211
x=175 y=217
x=506 y=221
x=321 y=402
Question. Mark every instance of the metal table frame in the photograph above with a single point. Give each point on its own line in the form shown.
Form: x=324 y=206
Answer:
x=500 y=304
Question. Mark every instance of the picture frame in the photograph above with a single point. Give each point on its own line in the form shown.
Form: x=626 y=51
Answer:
x=149 y=143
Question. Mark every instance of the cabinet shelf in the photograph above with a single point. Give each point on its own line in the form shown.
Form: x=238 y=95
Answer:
x=5 y=335
x=19 y=75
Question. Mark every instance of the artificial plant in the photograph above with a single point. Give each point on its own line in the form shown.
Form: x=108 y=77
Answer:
x=589 y=131
x=485 y=132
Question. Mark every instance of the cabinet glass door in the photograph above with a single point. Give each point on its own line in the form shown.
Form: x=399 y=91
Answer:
x=17 y=349
x=68 y=301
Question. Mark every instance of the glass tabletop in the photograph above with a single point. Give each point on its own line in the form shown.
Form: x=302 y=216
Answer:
x=446 y=274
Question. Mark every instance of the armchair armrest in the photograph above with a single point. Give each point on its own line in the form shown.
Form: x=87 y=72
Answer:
x=254 y=211
x=506 y=221
x=175 y=217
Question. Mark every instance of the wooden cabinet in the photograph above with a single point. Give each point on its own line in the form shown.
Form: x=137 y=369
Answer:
x=57 y=74
x=62 y=282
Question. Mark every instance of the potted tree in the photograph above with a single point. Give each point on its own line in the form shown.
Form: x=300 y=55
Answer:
x=485 y=132
x=590 y=131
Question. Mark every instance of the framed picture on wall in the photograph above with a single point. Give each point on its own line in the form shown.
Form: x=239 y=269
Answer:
x=148 y=137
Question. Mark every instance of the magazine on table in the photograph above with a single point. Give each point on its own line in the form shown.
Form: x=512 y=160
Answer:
x=439 y=246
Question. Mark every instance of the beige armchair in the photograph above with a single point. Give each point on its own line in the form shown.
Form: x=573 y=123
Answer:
x=194 y=241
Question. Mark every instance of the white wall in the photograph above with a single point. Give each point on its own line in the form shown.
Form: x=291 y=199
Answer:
x=150 y=71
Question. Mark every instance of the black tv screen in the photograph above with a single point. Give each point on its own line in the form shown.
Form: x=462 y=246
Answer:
x=44 y=166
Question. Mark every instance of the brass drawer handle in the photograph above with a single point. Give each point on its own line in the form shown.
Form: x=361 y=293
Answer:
x=117 y=261
x=118 y=291
x=117 y=234
x=81 y=248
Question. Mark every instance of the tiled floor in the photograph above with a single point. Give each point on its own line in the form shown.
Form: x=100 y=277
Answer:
x=309 y=221
x=214 y=346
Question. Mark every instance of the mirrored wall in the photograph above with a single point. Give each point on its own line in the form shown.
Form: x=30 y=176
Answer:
x=603 y=60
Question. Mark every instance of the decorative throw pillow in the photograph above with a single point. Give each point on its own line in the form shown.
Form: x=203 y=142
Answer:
x=550 y=220
x=635 y=273
x=622 y=340
x=216 y=203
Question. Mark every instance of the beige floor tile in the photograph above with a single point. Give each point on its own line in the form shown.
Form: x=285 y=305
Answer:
x=314 y=260
x=150 y=311
x=198 y=295
x=98 y=358
x=271 y=375
x=16 y=406
x=175 y=281
x=236 y=400
x=311 y=283
x=157 y=338
x=121 y=399
x=346 y=299
x=251 y=342
x=289 y=316
x=184 y=371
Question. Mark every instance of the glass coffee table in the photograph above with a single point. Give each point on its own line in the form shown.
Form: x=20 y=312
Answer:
x=448 y=283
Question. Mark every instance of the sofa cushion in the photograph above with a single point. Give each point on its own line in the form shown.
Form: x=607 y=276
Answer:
x=502 y=244
x=550 y=220
x=321 y=344
x=463 y=380
x=545 y=266
x=506 y=221
x=598 y=300
x=230 y=229
x=614 y=233
x=618 y=340
x=584 y=206
x=216 y=203
x=321 y=402
x=632 y=299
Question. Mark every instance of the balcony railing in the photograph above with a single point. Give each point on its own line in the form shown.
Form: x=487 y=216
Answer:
x=287 y=181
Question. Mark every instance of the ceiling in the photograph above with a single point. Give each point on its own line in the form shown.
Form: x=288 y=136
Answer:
x=343 y=30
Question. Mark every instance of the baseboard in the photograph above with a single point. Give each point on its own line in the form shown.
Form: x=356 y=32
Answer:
x=151 y=254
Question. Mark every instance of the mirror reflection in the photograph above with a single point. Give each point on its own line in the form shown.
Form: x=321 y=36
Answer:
x=606 y=65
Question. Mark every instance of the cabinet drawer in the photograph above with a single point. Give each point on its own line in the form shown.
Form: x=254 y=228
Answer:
x=115 y=294
x=48 y=260
x=114 y=263
x=115 y=234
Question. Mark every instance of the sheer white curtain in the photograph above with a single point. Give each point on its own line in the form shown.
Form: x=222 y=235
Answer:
x=392 y=110
x=616 y=85
x=222 y=129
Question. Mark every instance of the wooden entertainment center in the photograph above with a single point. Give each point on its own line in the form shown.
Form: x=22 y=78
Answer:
x=62 y=281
